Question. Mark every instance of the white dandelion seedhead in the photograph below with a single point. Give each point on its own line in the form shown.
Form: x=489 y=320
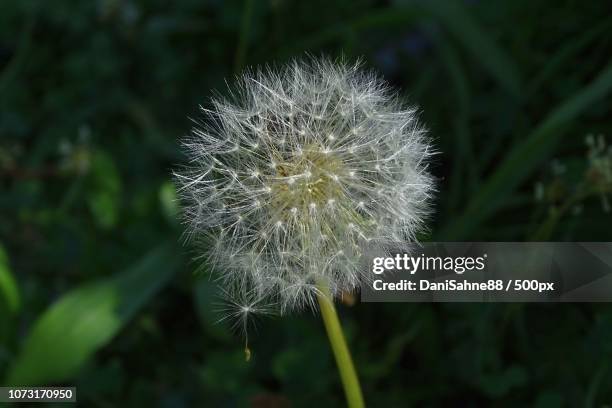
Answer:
x=298 y=172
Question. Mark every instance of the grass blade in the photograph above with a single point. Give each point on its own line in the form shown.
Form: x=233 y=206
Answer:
x=524 y=158
x=457 y=20
x=9 y=292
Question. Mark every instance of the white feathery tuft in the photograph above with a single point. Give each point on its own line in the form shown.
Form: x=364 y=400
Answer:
x=299 y=172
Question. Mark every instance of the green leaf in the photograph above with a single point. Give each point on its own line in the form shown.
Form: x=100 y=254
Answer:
x=570 y=49
x=462 y=139
x=10 y=302
x=85 y=319
x=526 y=156
x=105 y=193
x=169 y=202
x=9 y=292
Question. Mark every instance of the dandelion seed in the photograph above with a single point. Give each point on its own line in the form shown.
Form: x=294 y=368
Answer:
x=329 y=138
x=239 y=308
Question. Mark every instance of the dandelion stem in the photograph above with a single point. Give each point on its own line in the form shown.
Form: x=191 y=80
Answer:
x=348 y=375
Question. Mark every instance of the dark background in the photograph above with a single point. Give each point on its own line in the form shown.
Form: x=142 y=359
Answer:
x=97 y=291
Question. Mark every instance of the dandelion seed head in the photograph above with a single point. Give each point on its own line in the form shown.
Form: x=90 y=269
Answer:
x=319 y=161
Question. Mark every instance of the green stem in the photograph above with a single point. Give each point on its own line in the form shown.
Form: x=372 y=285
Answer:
x=348 y=375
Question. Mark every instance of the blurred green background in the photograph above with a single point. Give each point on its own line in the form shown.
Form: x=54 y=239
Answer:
x=97 y=291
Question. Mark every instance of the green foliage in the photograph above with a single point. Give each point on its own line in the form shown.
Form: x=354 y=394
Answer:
x=93 y=99
x=10 y=299
x=63 y=338
x=521 y=159
x=9 y=293
x=105 y=192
